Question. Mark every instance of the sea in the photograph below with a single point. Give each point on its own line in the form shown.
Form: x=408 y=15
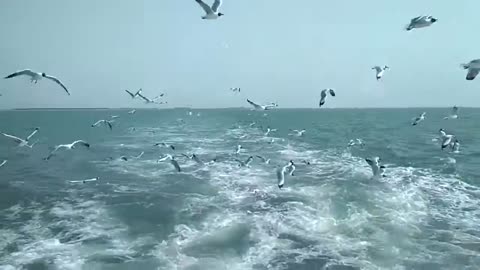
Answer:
x=333 y=214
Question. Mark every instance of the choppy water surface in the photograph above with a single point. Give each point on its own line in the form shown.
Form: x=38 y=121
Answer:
x=331 y=215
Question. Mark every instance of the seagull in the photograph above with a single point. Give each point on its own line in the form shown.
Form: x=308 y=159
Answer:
x=67 y=147
x=289 y=168
x=447 y=139
x=306 y=162
x=380 y=71
x=124 y=158
x=473 y=69
x=377 y=169
x=132 y=112
x=245 y=163
x=356 y=142
x=211 y=13
x=252 y=124
x=239 y=149
x=172 y=161
x=264 y=160
x=134 y=95
x=420 y=22
x=22 y=142
x=298 y=133
x=194 y=158
x=114 y=116
x=324 y=96
x=105 y=122
x=153 y=100
x=419 y=119
x=235 y=89
x=270 y=130
x=165 y=145
x=35 y=77
x=453 y=115
x=85 y=181
x=261 y=107
x=3 y=163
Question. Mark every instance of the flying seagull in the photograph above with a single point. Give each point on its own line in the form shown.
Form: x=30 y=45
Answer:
x=194 y=158
x=134 y=95
x=261 y=107
x=22 y=142
x=132 y=112
x=473 y=68
x=289 y=168
x=447 y=139
x=35 y=77
x=165 y=145
x=85 y=181
x=3 y=163
x=153 y=100
x=419 y=119
x=354 y=142
x=68 y=147
x=235 y=89
x=211 y=13
x=420 y=22
x=377 y=169
x=172 y=161
x=245 y=163
x=453 y=115
x=264 y=160
x=298 y=133
x=269 y=131
x=323 y=96
x=105 y=122
x=380 y=71
x=239 y=149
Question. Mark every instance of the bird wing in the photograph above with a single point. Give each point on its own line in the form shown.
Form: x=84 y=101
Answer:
x=15 y=138
x=249 y=159
x=446 y=140
x=130 y=93
x=31 y=135
x=26 y=72
x=377 y=69
x=472 y=73
x=255 y=105
x=109 y=123
x=216 y=5
x=205 y=7
x=84 y=143
x=58 y=82
x=332 y=92
x=3 y=163
x=262 y=158
x=144 y=98
x=323 y=96
x=98 y=123
x=141 y=154
x=175 y=164
x=281 y=176
x=454 y=110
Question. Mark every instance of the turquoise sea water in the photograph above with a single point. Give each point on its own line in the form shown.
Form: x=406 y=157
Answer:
x=331 y=214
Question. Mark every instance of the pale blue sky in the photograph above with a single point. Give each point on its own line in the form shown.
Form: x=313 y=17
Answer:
x=273 y=51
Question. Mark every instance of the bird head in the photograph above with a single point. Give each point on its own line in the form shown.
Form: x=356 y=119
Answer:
x=43 y=74
x=433 y=20
x=220 y=14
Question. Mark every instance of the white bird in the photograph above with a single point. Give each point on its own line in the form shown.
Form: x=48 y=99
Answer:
x=22 y=142
x=245 y=163
x=380 y=71
x=107 y=123
x=132 y=95
x=153 y=100
x=289 y=168
x=261 y=107
x=354 y=142
x=3 y=163
x=114 y=116
x=455 y=146
x=419 y=119
x=298 y=133
x=252 y=124
x=85 y=181
x=67 y=147
x=264 y=160
x=447 y=139
x=269 y=131
x=211 y=13
x=194 y=158
x=132 y=112
x=377 y=169
x=420 y=22
x=35 y=77
x=323 y=96
x=235 y=89
x=165 y=145
x=453 y=115
x=239 y=149
x=172 y=161
x=473 y=68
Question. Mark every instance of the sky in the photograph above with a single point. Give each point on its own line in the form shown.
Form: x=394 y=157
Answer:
x=273 y=51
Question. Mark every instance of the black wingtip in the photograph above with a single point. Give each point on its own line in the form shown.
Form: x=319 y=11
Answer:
x=280 y=186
